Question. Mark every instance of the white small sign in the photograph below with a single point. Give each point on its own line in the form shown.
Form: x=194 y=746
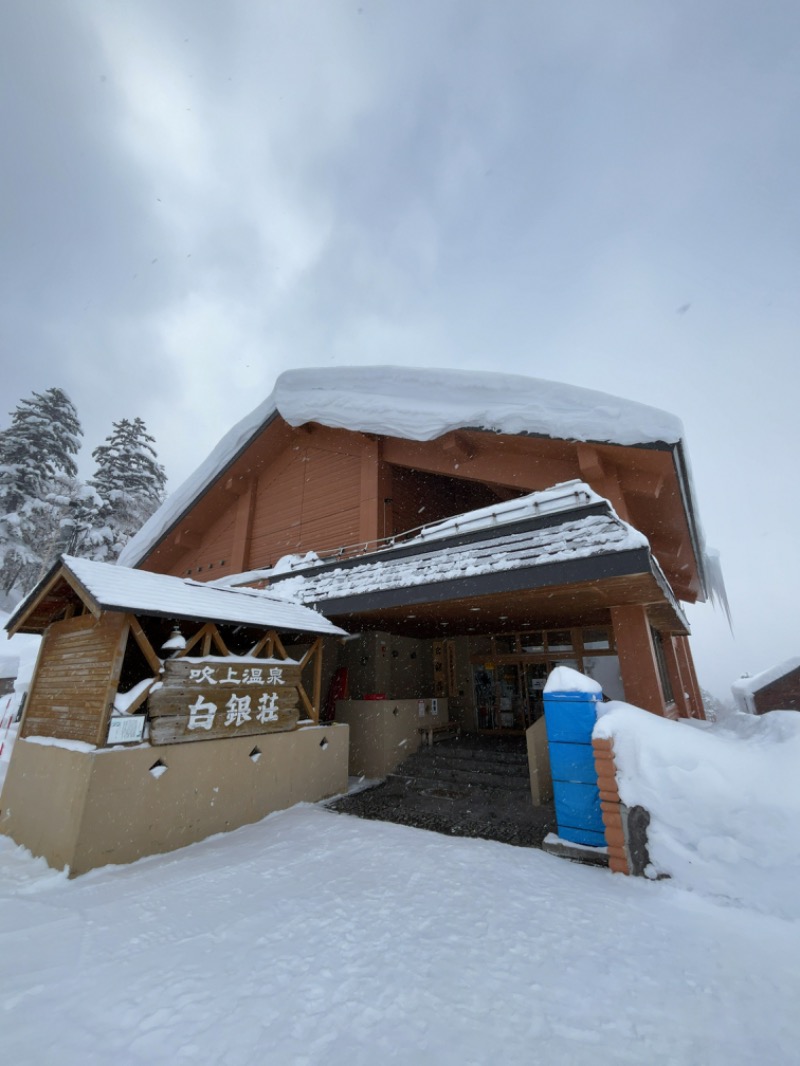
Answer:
x=434 y=707
x=127 y=730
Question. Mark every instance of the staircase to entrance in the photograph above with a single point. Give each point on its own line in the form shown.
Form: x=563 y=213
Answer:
x=473 y=785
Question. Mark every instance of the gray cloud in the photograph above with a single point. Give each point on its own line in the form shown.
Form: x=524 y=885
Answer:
x=195 y=197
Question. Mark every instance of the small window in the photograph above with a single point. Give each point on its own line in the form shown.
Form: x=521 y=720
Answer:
x=596 y=640
x=559 y=640
x=505 y=645
x=661 y=663
x=532 y=643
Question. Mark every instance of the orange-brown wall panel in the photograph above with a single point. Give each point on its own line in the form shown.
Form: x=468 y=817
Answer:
x=309 y=500
x=214 y=547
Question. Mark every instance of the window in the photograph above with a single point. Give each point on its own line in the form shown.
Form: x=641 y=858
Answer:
x=661 y=663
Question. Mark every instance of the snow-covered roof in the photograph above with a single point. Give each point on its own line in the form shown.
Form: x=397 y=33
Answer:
x=565 y=496
x=475 y=546
x=419 y=404
x=119 y=588
x=746 y=687
x=422 y=404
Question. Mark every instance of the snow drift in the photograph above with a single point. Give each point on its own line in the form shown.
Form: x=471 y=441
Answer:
x=724 y=800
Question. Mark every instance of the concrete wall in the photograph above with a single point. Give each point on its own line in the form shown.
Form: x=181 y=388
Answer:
x=401 y=667
x=384 y=732
x=87 y=809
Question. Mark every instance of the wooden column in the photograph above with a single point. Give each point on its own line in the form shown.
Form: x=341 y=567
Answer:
x=679 y=687
x=602 y=477
x=371 y=506
x=244 y=491
x=637 y=659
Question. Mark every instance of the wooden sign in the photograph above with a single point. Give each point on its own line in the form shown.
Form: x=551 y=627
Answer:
x=212 y=698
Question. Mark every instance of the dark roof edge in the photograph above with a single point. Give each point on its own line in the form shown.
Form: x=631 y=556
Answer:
x=683 y=471
x=543 y=575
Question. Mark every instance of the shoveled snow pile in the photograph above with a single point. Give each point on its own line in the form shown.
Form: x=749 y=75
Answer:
x=724 y=800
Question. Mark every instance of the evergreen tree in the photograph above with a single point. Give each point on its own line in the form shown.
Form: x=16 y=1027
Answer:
x=41 y=443
x=37 y=483
x=129 y=479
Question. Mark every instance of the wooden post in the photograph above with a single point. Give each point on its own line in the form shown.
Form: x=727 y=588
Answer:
x=637 y=659
x=370 y=514
x=243 y=523
x=113 y=681
x=317 y=679
x=145 y=646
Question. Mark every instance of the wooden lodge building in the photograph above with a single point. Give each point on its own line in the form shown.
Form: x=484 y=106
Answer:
x=466 y=531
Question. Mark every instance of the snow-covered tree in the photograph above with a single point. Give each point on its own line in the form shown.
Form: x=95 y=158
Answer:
x=41 y=443
x=37 y=482
x=129 y=479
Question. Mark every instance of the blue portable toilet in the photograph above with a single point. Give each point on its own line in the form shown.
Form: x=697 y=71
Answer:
x=570 y=712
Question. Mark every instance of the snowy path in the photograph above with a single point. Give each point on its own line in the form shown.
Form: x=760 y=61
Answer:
x=318 y=938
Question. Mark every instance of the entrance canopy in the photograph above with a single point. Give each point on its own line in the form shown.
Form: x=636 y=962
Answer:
x=555 y=557
x=107 y=587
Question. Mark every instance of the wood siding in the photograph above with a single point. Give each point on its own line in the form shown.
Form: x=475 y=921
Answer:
x=213 y=553
x=76 y=679
x=309 y=500
x=316 y=488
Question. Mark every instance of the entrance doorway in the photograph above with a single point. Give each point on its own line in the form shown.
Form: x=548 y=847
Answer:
x=510 y=674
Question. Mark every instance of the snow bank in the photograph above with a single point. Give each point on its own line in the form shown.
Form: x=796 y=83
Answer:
x=724 y=800
x=419 y=404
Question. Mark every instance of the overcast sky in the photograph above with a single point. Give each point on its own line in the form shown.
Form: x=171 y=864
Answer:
x=196 y=196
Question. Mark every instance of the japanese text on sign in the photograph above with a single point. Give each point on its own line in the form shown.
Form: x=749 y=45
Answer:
x=238 y=710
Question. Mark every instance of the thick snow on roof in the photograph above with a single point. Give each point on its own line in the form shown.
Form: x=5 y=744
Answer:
x=121 y=588
x=569 y=540
x=422 y=404
x=746 y=687
x=419 y=404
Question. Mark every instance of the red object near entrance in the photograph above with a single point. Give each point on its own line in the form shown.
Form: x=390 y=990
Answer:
x=337 y=690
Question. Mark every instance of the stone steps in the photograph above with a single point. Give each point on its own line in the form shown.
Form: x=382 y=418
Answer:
x=467 y=766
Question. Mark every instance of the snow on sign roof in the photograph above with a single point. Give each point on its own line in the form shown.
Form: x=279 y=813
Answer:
x=419 y=404
x=120 y=588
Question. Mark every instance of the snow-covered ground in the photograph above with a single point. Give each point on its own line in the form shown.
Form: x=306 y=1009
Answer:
x=318 y=938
